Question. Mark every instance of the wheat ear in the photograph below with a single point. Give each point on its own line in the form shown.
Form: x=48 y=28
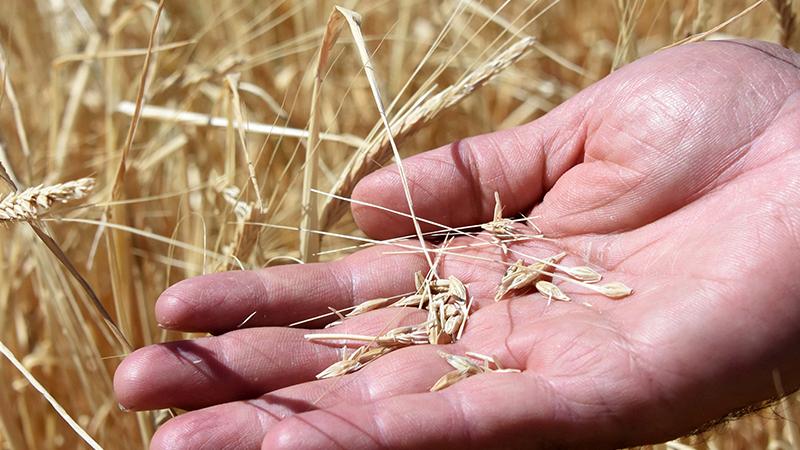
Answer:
x=32 y=202
x=380 y=150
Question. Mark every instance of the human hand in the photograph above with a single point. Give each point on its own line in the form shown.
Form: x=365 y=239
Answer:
x=678 y=175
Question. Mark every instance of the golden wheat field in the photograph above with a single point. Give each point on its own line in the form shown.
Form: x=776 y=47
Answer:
x=196 y=120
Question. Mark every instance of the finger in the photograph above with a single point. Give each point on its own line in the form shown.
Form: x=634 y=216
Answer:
x=494 y=410
x=243 y=424
x=284 y=294
x=455 y=184
x=237 y=365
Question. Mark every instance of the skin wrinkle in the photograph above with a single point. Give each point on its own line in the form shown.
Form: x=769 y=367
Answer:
x=560 y=406
x=354 y=426
x=622 y=180
x=380 y=431
x=264 y=417
x=540 y=170
x=591 y=207
x=185 y=434
x=711 y=178
x=331 y=439
x=501 y=181
x=682 y=113
x=795 y=64
x=757 y=140
x=347 y=283
x=415 y=187
x=464 y=161
x=263 y=278
x=510 y=346
x=782 y=214
x=458 y=407
x=579 y=136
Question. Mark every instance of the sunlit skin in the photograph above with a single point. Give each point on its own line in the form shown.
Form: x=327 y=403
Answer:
x=678 y=175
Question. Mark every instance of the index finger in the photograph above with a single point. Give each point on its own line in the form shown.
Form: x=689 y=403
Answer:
x=284 y=294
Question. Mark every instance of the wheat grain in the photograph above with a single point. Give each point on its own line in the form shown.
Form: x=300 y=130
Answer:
x=519 y=276
x=354 y=361
x=584 y=273
x=551 y=291
x=465 y=367
x=368 y=305
x=615 y=289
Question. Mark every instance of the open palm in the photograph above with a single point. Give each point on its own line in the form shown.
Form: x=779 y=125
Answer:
x=678 y=175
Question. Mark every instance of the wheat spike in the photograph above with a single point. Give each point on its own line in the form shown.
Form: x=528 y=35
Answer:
x=32 y=202
x=379 y=150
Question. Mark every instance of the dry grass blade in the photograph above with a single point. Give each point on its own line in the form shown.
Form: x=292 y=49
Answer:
x=119 y=247
x=232 y=82
x=356 y=360
x=786 y=20
x=309 y=214
x=152 y=112
x=79 y=83
x=367 y=306
x=705 y=34
x=33 y=202
x=126 y=148
x=397 y=337
x=53 y=246
x=50 y=399
x=380 y=150
x=354 y=22
x=626 y=50
x=15 y=108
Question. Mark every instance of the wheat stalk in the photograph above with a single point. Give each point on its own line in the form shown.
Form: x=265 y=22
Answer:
x=32 y=202
x=786 y=20
x=5 y=351
x=379 y=149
